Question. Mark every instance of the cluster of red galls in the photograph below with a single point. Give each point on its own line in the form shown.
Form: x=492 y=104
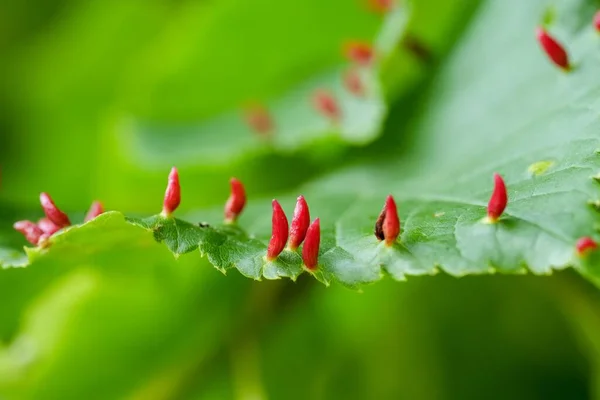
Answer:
x=55 y=220
x=302 y=230
x=554 y=50
x=360 y=53
x=387 y=225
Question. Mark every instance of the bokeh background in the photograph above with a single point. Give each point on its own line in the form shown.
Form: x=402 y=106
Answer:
x=98 y=99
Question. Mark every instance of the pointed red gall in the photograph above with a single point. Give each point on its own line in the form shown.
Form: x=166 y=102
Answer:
x=310 y=249
x=553 y=49
x=279 y=233
x=47 y=226
x=259 y=119
x=498 y=200
x=300 y=223
x=52 y=212
x=597 y=21
x=236 y=201
x=95 y=209
x=172 y=194
x=359 y=52
x=353 y=82
x=387 y=226
x=30 y=230
x=584 y=245
x=325 y=103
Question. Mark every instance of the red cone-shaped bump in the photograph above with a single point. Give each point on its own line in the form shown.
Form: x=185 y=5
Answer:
x=310 y=249
x=279 y=233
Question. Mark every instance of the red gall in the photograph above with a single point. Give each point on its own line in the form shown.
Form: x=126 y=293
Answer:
x=30 y=230
x=300 y=223
x=47 y=226
x=52 y=212
x=553 y=49
x=585 y=245
x=259 y=120
x=172 y=194
x=95 y=209
x=279 y=232
x=359 y=52
x=310 y=249
x=498 y=200
x=325 y=103
x=597 y=21
x=236 y=201
x=353 y=82
x=387 y=226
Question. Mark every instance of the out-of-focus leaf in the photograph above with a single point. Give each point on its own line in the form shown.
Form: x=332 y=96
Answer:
x=160 y=318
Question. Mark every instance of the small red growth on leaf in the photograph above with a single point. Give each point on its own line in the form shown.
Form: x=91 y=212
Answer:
x=30 y=230
x=353 y=82
x=499 y=199
x=52 y=212
x=300 y=223
x=310 y=250
x=597 y=21
x=259 y=119
x=584 y=245
x=553 y=49
x=236 y=201
x=359 y=52
x=173 y=193
x=325 y=103
x=279 y=233
x=95 y=210
x=381 y=6
x=47 y=226
x=387 y=226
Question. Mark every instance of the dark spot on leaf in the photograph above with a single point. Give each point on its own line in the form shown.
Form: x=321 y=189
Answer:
x=417 y=48
x=379 y=226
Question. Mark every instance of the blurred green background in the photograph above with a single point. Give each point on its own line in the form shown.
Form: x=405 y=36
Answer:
x=99 y=98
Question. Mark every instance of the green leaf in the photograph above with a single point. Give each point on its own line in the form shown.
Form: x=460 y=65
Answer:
x=223 y=136
x=132 y=119
x=471 y=123
x=160 y=316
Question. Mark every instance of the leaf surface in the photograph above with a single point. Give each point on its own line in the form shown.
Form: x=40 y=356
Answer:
x=470 y=124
